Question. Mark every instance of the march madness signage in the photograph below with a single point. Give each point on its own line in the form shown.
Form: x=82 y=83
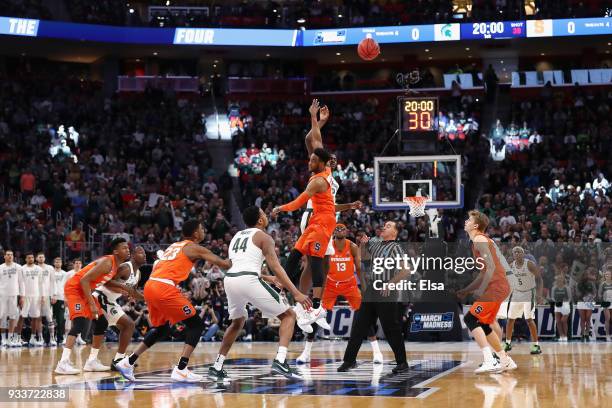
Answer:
x=432 y=322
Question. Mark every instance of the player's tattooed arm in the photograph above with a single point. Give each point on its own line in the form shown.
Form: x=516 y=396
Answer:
x=195 y=252
x=102 y=266
x=313 y=137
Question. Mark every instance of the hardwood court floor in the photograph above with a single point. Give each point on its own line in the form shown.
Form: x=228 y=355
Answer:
x=441 y=375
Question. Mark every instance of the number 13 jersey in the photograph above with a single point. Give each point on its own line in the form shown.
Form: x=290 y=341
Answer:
x=244 y=254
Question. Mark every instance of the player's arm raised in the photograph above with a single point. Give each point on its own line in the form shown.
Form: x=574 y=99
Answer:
x=316 y=185
x=266 y=243
x=103 y=266
x=195 y=251
x=355 y=205
x=313 y=137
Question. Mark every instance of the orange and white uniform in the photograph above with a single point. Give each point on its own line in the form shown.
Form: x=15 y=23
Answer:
x=498 y=288
x=165 y=301
x=316 y=236
x=341 y=279
x=75 y=298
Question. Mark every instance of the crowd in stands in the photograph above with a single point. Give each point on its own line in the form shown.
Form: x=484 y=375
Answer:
x=553 y=194
x=311 y=14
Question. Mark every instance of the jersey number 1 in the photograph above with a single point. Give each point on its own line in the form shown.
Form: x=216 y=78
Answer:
x=240 y=244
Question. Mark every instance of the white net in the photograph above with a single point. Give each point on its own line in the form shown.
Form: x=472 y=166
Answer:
x=417 y=205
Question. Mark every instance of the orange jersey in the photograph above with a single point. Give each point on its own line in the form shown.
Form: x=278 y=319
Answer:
x=341 y=263
x=173 y=264
x=323 y=204
x=498 y=288
x=75 y=282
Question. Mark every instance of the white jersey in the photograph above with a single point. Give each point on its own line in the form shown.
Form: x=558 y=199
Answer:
x=112 y=295
x=522 y=280
x=47 y=283
x=308 y=212
x=61 y=277
x=32 y=279
x=11 y=280
x=244 y=254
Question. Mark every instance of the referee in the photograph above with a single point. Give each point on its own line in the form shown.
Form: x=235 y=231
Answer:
x=378 y=304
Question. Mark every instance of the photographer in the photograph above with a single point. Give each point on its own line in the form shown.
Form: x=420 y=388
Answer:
x=211 y=323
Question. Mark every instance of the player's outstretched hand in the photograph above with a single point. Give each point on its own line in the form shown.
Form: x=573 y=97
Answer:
x=94 y=309
x=275 y=211
x=304 y=300
x=314 y=107
x=364 y=239
x=356 y=205
x=324 y=113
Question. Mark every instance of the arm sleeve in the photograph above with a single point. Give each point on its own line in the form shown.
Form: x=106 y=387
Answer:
x=297 y=203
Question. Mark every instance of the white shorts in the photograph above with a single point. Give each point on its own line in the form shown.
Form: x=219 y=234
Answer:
x=585 y=305
x=521 y=309
x=8 y=308
x=31 y=306
x=108 y=303
x=502 y=313
x=45 y=308
x=564 y=309
x=247 y=287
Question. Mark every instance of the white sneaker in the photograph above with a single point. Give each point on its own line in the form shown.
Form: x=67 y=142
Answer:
x=80 y=341
x=322 y=321
x=492 y=366
x=313 y=315
x=185 y=375
x=95 y=365
x=377 y=358
x=301 y=319
x=508 y=364
x=53 y=343
x=248 y=337
x=64 y=367
x=126 y=369
x=304 y=358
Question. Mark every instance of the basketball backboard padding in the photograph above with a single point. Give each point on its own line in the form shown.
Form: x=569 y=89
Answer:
x=395 y=177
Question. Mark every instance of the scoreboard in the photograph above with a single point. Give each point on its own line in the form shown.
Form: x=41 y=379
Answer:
x=417 y=123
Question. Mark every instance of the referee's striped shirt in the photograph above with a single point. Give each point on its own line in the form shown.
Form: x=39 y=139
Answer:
x=382 y=249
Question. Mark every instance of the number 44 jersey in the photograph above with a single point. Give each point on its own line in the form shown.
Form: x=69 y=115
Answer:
x=244 y=254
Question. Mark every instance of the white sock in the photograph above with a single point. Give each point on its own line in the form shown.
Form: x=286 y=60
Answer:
x=39 y=336
x=375 y=347
x=509 y=341
x=282 y=354
x=537 y=343
x=308 y=347
x=93 y=354
x=119 y=356
x=66 y=354
x=219 y=362
x=3 y=337
x=488 y=355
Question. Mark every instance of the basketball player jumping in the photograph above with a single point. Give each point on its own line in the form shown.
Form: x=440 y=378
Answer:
x=523 y=298
x=83 y=307
x=341 y=281
x=128 y=274
x=167 y=305
x=244 y=284
x=491 y=288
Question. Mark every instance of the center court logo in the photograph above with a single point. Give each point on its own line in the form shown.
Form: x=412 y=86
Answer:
x=432 y=322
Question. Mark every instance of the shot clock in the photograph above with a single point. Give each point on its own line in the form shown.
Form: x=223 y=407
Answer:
x=417 y=114
x=417 y=123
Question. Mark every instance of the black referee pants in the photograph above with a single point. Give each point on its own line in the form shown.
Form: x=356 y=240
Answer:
x=388 y=313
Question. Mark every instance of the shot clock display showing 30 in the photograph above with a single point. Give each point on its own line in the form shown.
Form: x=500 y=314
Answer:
x=417 y=114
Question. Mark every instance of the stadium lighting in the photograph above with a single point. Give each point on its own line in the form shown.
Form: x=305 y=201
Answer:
x=339 y=15
x=426 y=49
x=542 y=54
x=167 y=2
x=267 y=55
x=467 y=48
x=301 y=21
x=274 y=11
x=430 y=58
x=155 y=53
x=342 y=61
x=338 y=53
x=131 y=11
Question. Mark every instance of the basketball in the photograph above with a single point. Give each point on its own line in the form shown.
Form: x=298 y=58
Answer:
x=368 y=49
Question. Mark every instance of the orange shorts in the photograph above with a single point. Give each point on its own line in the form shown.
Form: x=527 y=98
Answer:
x=348 y=290
x=315 y=239
x=485 y=312
x=77 y=304
x=166 y=303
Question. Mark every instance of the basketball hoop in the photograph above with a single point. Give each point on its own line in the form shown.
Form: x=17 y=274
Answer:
x=417 y=205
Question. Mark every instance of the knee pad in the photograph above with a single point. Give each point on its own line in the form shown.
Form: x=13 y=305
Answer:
x=293 y=265
x=195 y=327
x=316 y=266
x=156 y=334
x=471 y=321
x=486 y=328
x=79 y=324
x=100 y=326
